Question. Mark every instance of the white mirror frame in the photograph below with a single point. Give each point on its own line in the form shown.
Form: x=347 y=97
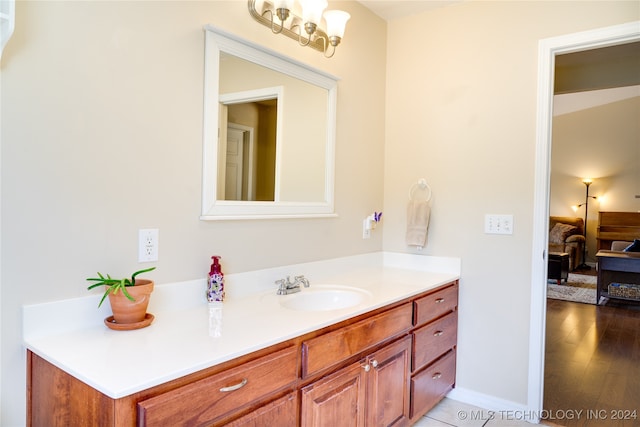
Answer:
x=217 y=41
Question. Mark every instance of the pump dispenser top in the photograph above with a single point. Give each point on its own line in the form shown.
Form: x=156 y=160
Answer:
x=215 y=267
x=215 y=286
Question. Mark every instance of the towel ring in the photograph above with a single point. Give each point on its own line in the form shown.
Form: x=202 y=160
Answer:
x=421 y=185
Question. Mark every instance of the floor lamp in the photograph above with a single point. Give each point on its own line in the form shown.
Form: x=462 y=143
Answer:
x=587 y=182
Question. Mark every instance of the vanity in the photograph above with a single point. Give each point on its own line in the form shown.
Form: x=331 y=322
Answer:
x=386 y=360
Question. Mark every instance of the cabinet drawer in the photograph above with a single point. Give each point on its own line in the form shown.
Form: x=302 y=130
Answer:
x=331 y=348
x=207 y=399
x=434 y=339
x=436 y=304
x=280 y=412
x=429 y=386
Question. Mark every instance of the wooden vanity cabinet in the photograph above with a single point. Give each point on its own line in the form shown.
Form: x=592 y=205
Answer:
x=330 y=349
x=371 y=392
x=383 y=368
x=207 y=400
x=435 y=337
x=255 y=389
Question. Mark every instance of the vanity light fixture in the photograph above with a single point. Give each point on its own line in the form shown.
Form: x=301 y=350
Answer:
x=302 y=21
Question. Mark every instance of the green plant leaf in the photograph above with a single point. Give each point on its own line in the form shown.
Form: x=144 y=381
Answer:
x=133 y=276
x=113 y=285
x=126 y=293
x=110 y=289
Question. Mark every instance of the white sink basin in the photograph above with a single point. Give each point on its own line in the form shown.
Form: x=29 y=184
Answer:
x=324 y=298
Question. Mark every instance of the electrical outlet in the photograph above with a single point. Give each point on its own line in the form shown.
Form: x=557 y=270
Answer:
x=366 y=229
x=148 y=245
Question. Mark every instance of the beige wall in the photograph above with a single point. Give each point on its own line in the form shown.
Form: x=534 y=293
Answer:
x=461 y=112
x=102 y=135
x=602 y=143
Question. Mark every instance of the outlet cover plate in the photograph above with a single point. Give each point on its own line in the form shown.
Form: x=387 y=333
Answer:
x=148 y=245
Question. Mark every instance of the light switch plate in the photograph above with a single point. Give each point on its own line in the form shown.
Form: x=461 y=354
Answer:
x=498 y=224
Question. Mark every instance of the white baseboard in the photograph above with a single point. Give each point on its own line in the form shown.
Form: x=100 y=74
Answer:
x=503 y=409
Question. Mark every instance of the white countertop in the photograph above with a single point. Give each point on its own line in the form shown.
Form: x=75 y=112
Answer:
x=186 y=336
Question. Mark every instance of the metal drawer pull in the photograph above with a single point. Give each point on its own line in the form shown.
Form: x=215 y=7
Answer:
x=374 y=363
x=234 y=387
x=439 y=300
x=366 y=367
x=438 y=333
x=436 y=376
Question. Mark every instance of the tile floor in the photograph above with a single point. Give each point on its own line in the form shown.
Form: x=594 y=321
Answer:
x=453 y=413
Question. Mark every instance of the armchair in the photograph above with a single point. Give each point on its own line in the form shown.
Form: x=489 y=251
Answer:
x=566 y=234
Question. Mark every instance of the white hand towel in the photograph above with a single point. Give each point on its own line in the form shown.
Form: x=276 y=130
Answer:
x=418 y=213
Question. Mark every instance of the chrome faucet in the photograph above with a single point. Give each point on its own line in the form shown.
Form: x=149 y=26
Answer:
x=286 y=287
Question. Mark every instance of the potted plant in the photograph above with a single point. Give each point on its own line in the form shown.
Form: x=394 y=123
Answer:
x=129 y=297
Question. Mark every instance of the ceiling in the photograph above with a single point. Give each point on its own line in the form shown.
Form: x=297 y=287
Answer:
x=394 y=9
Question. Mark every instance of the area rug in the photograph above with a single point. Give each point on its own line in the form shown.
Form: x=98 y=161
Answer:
x=578 y=288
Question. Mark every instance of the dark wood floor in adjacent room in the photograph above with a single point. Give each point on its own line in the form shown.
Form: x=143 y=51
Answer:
x=592 y=364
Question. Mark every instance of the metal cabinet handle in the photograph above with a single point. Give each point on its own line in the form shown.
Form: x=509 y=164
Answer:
x=374 y=363
x=234 y=387
x=366 y=367
x=439 y=300
x=438 y=333
x=436 y=376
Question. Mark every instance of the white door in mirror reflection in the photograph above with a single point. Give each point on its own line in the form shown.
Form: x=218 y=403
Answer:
x=234 y=177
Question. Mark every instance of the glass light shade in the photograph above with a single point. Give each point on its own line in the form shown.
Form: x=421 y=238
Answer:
x=587 y=180
x=312 y=10
x=283 y=4
x=336 y=22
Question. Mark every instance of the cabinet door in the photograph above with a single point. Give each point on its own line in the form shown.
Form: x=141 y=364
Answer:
x=281 y=412
x=389 y=385
x=336 y=400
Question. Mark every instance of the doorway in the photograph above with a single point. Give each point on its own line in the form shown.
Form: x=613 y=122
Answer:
x=547 y=51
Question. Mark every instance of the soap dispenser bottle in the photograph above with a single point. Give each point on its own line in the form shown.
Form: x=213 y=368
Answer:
x=215 y=286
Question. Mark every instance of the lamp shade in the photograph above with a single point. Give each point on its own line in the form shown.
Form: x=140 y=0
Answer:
x=283 y=4
x=312 y=10
x=336 y=22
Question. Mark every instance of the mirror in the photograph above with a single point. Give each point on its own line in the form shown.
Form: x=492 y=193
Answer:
x=269 y=133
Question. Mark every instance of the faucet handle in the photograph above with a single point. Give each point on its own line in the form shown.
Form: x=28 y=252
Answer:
x=302 y=279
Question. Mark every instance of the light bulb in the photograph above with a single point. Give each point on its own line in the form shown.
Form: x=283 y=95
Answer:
x=312 y=10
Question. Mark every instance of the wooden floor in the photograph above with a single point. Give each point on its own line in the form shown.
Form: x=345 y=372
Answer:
x=592 y=365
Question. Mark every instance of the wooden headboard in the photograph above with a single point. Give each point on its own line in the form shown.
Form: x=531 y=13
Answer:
x=617 y=226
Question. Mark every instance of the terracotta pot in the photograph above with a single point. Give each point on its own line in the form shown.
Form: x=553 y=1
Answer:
x=127 y=311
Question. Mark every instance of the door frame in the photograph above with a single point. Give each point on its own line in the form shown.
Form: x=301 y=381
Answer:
x=547 y=50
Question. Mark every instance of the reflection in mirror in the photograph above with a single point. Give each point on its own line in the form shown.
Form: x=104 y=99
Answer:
x=246 y=170
x=268 y=133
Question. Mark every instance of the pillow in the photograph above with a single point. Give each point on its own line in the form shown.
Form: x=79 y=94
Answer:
x=634 y=247
x=560 y=232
